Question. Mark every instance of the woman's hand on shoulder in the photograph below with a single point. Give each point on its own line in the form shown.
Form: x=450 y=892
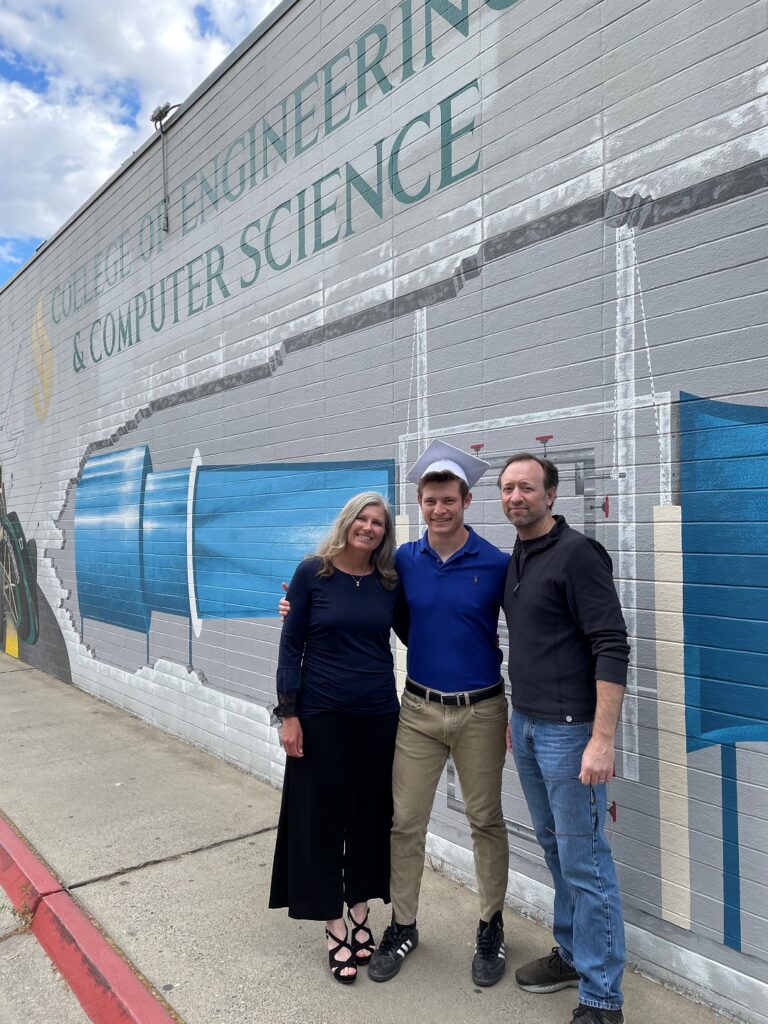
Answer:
x=284 y=605
x=292 y=738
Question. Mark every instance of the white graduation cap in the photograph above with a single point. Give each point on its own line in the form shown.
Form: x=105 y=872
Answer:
x=440 y=456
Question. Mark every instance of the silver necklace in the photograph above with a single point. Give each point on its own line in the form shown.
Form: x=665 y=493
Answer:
x=352 y=576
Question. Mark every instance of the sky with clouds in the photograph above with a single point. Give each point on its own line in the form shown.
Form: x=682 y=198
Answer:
x=78 y=81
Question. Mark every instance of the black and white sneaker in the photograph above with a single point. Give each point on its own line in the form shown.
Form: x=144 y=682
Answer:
x=547 y=974
x=489 y=960
x=396 y=943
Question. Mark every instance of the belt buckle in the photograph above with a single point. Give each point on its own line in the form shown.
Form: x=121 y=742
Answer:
x=461 y=699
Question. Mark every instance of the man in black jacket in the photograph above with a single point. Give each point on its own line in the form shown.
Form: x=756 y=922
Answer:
x=568 y=657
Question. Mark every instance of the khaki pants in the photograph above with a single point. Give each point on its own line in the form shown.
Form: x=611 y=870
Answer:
x=474 y=737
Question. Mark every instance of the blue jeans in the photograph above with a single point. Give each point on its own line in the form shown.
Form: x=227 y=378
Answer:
x=568 y=819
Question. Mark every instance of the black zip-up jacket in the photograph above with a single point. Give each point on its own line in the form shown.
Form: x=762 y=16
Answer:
x=566 y=629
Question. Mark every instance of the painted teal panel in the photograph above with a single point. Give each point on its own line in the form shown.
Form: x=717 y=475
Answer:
x=251 y=526
x=254 y=524
x=109 y=537
x=165 y=542
x=724 y=498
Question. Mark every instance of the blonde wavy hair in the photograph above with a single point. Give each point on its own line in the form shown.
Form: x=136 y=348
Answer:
x=383 y=557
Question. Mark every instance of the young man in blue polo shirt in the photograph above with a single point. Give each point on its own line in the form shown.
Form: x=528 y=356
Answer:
x=453 y=704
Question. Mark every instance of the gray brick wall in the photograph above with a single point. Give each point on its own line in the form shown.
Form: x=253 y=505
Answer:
x=533 y=295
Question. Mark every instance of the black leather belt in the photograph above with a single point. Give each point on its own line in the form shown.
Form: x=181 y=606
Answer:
x=454 y=700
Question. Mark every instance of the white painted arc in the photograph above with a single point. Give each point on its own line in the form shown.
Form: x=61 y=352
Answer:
x=197 y=622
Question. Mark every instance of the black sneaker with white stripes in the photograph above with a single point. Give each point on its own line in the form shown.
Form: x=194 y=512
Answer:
x=396 y=943
x=489 y=961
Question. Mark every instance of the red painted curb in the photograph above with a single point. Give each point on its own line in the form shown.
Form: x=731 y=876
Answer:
x=22 y=875
x=108 y=989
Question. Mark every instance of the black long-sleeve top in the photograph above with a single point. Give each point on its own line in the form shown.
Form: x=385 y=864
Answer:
x=566 y=629
x=335 y=652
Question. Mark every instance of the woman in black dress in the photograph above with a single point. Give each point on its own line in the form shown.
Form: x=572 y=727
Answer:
x=339 y=711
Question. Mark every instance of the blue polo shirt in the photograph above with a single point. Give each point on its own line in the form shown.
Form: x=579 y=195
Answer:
x=454 y=613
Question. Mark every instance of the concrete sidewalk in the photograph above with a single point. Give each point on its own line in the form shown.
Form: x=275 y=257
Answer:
x=168 y=850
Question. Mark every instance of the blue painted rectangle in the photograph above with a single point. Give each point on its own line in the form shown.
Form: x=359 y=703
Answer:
x=723 y=481
x=253 y=524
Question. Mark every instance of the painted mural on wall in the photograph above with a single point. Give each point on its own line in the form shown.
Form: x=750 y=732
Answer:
x=17 y=577
x=724 y=460
x=201 y=542
x=562 y=252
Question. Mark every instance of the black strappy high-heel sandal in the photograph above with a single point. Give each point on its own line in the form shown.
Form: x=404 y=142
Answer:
x=367 y=946
x=336 y=965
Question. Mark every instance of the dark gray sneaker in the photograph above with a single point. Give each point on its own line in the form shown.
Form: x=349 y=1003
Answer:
x=489 y=960
x=547 y=974
x=594 y=1015
x=396 y=943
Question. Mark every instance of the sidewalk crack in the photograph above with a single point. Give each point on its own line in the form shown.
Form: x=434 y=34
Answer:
x=172 y=857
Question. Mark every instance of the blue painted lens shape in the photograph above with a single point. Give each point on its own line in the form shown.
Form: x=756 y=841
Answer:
x=250 y=527
x=109 y=538
x=165 y=542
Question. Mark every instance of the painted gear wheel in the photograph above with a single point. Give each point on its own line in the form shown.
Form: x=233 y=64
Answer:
x=17 y=578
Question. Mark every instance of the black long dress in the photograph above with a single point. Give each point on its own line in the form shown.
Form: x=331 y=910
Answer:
x=335 y=671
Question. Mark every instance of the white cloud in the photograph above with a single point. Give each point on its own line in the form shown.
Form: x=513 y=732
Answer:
x=53 y=156
x=234 y=19
x=106 y=65
x=9 y=253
